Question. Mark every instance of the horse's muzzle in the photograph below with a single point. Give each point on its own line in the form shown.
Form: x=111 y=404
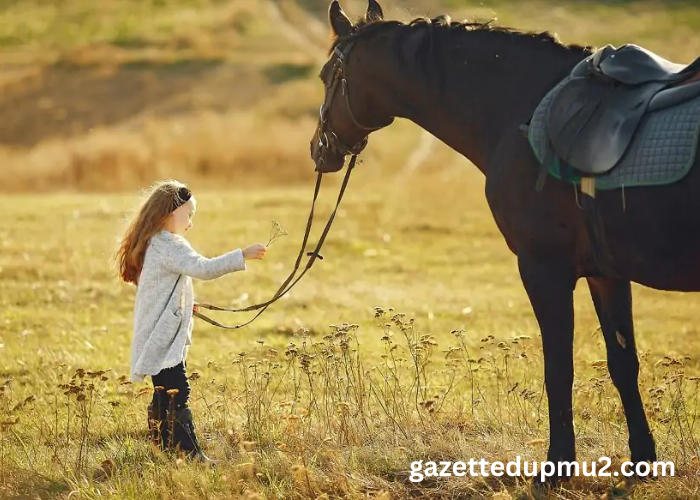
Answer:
x=327 y=160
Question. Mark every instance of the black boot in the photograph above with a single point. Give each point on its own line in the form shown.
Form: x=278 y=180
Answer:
x=185 y=438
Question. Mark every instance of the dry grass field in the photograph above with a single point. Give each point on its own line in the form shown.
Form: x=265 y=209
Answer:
x=412 y=340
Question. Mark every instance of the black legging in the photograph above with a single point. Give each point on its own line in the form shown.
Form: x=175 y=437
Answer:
x=171 y=378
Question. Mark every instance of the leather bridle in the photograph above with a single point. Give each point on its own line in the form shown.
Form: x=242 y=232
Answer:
x=328 y=140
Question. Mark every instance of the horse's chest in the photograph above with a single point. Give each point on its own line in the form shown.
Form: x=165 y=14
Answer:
x=523 y=214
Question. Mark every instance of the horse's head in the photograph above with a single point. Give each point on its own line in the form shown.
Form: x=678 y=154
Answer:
x=349 y=112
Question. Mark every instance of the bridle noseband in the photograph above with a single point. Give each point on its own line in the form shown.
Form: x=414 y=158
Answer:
x=327 y=139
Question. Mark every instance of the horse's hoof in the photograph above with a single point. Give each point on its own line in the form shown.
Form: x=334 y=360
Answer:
x=549 y=482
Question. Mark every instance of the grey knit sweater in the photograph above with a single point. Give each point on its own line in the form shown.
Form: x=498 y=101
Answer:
x=163 y=312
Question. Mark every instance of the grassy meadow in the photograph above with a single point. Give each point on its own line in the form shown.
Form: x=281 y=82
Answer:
x=412 y=340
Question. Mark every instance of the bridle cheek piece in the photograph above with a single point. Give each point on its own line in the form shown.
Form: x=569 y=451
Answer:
x=327 y=139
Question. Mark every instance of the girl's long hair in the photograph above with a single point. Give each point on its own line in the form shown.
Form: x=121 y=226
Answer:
x=161 y=199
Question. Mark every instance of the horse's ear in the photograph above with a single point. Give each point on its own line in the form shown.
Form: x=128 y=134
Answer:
x=374 y=11
x=340 y=22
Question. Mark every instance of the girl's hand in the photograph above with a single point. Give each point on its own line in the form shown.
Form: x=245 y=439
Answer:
x=254 y=252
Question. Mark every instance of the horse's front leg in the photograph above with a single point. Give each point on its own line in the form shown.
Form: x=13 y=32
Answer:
x=550 y=285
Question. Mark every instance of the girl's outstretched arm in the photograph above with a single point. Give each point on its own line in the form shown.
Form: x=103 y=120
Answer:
x=179 y=257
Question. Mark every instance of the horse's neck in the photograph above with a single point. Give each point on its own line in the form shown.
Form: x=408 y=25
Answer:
x=487 y=93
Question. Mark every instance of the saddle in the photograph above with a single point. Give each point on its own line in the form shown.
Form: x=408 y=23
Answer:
x=593 y=118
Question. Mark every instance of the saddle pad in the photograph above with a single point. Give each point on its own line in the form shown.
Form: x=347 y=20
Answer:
x=661 y=152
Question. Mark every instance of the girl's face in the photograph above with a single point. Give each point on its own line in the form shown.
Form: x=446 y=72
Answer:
x=180 y=221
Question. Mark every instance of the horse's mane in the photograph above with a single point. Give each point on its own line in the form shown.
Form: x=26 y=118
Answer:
x=365 y=28
x=433 y=35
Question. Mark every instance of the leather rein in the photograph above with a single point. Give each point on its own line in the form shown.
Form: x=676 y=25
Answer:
x=328 y=140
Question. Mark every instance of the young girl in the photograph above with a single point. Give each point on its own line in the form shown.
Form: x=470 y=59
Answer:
x=155 y=256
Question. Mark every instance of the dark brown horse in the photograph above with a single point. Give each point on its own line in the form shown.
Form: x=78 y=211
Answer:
x=472 y=85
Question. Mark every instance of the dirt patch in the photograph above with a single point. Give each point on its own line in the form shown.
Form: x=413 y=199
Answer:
x=63 y=102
